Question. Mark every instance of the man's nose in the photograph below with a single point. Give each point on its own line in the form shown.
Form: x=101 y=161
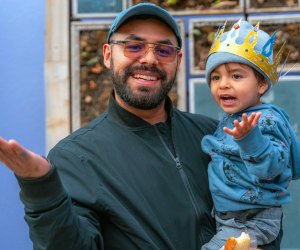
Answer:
x=149 y=56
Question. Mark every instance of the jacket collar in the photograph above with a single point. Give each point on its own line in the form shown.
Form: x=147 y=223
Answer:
x=126 y=118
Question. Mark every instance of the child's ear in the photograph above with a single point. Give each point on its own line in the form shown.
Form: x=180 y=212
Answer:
x=263 y=86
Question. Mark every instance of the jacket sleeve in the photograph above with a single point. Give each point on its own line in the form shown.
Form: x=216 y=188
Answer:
x=54 y=221
x=266 y=149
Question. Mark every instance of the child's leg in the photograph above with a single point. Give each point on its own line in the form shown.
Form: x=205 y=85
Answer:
x=263 y=228
x=225 y=229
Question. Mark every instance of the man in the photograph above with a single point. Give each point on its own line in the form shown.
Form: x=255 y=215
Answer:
x=135 y=177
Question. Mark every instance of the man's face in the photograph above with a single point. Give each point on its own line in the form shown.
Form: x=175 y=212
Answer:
x=142 y=83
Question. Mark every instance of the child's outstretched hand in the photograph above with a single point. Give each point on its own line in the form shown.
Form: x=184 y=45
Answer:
x=244 y=127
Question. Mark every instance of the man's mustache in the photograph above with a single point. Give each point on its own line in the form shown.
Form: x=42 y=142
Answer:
x=155 y=70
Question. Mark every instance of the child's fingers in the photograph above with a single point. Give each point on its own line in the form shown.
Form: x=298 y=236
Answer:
x=256 y=118
x=228 y=131
x=237 y=124
x=250 y=119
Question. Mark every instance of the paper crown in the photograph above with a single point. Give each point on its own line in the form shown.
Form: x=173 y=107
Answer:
x=255 y=46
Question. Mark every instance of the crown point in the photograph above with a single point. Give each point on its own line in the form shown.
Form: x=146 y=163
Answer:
x=236 y=26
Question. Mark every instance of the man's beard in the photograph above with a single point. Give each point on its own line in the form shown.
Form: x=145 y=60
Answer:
x=145 y=99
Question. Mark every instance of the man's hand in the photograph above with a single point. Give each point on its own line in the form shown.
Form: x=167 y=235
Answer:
x=21 y=161
x=244 y=127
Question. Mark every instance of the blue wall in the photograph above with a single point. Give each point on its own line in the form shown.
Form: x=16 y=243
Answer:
x=22 y=104
x=22 y=111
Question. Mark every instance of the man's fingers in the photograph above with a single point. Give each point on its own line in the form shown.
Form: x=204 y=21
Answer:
x=21 y=161
x=12 y=154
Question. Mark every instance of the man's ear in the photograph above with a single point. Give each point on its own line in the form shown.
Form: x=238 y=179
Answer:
x=106 y=55
x=179 y=58
x=263 y=86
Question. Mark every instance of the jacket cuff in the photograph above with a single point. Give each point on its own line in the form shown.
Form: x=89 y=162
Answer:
x=40 y=193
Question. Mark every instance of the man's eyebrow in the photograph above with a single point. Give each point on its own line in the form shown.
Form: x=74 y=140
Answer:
x=166 y=41
x=138 y=38
x=134 y=37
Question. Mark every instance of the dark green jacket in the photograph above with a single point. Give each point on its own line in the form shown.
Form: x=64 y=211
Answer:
x=121 y=183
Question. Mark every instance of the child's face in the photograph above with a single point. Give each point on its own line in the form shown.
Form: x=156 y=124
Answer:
x=235 y=87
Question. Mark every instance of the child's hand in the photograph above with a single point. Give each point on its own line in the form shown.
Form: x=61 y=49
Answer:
x=244 y=127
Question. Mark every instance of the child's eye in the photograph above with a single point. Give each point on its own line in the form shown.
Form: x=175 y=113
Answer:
x=214 y=78
x=235 y=76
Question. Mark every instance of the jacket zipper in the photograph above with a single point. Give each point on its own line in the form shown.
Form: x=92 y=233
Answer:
x=181 y=172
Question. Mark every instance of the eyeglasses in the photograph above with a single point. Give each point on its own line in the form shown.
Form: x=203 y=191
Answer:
x=137 y=49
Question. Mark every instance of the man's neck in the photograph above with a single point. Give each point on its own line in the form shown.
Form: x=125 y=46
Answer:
x=151 y=116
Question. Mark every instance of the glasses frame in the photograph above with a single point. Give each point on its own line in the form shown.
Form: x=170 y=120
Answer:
x=123 y=42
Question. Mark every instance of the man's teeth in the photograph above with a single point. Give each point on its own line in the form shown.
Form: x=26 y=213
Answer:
x=148 y=78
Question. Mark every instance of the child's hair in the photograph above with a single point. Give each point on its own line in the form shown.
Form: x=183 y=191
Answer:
x=260 y=78
x=245 y=44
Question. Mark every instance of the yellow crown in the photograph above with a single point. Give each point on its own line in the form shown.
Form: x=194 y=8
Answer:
x=262 y=59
